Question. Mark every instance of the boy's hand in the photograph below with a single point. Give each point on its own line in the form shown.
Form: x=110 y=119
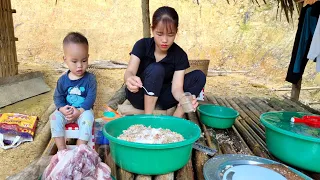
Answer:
x=134 y=84
x=75 y=114
x=66 y=110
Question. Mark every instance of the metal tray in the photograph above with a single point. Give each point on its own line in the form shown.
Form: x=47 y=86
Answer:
x=215 y=167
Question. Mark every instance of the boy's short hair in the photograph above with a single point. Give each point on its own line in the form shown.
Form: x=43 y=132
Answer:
x=75 y=37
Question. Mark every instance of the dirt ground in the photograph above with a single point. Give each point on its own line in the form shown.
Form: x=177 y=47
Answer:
x=110 y=80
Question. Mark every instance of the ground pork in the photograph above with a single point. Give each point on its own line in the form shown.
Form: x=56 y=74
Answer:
x=142 y=134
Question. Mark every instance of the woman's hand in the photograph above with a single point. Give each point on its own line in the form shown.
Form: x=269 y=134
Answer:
x=195 y=103
x=134 y=84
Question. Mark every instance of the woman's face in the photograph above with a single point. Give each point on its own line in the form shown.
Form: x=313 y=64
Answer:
x=164 y=35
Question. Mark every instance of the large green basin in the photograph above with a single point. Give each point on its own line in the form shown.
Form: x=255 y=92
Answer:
x=295 y=144
x=151 y=159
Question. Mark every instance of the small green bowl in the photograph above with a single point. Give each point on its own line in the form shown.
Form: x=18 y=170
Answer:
x=217 y=116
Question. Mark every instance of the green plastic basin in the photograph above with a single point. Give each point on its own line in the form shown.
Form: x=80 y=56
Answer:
x=217 y=116
x=151 y=159
x=293 y=143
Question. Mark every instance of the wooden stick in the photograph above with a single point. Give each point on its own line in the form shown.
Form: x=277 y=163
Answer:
x=305 y=88
x=227 y=148
x=169 y=176
x=186 y=173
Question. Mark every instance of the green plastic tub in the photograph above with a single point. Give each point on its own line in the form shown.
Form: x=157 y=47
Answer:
x=151 y=159
x=217 y=116
x=295 y=144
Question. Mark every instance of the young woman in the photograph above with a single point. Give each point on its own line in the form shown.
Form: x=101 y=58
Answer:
x=159 y=65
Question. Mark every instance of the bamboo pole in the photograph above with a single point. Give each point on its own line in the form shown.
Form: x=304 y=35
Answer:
x=199 y=157
x=186 y=173
x=274 y=105
x=250 y=140
x=296 y=106
x=265 y=107
x=258 y=127
x=239 y=142
x=256 y=106
x=109 y=161
x=257 y=133
x=250 y=117
x=212 y=99
x=308 y=108
x=249 y=106
x=254 y=134
x=124 y=175
x=143 y=177
x=169 y=176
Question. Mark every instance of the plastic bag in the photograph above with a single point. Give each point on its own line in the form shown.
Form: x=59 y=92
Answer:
x=16 y=128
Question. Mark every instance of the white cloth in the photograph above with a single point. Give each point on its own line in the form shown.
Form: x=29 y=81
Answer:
x=314 y=51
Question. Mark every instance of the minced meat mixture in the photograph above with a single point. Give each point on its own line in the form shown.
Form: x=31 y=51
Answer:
x=142 y=134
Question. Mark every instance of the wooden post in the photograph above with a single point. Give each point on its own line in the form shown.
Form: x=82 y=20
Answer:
x=295 y=91
x=145 y=18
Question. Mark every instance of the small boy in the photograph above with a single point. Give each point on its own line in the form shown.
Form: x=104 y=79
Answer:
x=75 y=93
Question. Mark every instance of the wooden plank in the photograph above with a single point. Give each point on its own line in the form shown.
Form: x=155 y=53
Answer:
x=51 y=148
x=12 y=92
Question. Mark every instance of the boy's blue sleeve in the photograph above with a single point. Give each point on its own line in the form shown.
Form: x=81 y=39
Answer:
x=59 y=96
x=91 y=94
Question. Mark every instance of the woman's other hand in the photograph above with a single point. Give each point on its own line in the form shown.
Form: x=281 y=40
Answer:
x=134 y=84
x=195 y=103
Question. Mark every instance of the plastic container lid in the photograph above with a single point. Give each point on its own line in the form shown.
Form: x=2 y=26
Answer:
x=251 y=172
x=280 y=122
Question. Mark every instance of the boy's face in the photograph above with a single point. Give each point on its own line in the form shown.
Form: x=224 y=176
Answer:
x=76 y=57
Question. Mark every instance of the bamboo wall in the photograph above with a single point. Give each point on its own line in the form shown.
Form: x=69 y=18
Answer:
x=8 y=53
